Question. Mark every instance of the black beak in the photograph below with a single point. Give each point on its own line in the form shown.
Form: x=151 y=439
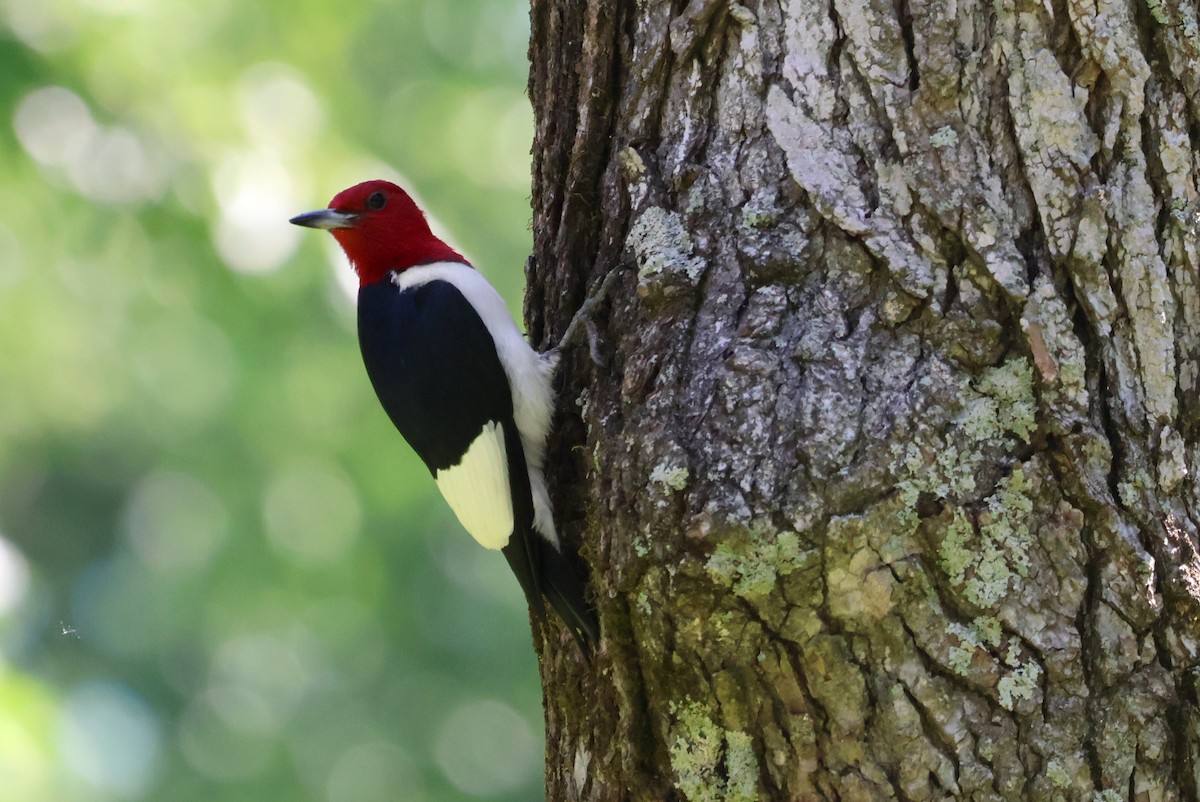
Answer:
x=328 y=219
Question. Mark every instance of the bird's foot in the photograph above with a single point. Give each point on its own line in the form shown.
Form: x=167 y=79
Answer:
x=582 y=322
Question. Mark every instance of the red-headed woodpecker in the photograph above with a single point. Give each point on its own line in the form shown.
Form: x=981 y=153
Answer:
x=461 y=383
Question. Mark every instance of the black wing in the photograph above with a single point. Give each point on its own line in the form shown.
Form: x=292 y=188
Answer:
x=434 y=367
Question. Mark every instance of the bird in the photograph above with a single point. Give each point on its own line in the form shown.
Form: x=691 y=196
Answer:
x=462 y=385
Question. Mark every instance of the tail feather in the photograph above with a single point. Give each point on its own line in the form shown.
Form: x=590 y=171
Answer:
x=566 y=594
x=522 y=555
x=545 y=574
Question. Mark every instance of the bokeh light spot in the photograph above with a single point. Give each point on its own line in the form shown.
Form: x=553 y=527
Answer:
x=312 y=512
x=217 y=750
x=379 y=770
x=270 y=670
x=53 y=125
x=491 y=166
x=175 y=523
x=244 y=709
x=278 y=107
x=110 y=738
x=257 y=195
x=47 y=27
x=485 y=748
x=477 y=572
x=109 y=165
x=187 y=365
x=118 y=167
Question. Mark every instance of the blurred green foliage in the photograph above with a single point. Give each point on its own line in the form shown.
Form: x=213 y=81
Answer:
x=222 y=574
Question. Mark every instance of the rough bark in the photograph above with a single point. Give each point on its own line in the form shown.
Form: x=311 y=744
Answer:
x=887 y=482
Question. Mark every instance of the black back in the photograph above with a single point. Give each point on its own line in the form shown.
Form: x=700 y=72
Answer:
x=433 y=365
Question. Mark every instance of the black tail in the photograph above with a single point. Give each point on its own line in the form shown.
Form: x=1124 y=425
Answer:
x=542 y=570
x=564 y=590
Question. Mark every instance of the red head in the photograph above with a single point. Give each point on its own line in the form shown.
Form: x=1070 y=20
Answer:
x=380 y=229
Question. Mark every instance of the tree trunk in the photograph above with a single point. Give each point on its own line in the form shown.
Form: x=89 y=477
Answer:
x=886 y=479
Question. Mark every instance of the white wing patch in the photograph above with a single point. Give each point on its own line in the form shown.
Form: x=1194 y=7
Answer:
x=477 y=489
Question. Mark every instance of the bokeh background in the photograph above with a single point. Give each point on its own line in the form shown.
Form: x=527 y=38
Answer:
x=222 y=574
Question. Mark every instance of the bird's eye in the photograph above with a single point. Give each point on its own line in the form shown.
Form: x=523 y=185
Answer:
x=377 y=201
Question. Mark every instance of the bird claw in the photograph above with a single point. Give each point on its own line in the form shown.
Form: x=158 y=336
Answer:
x=594 y=345
x=582 y=320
